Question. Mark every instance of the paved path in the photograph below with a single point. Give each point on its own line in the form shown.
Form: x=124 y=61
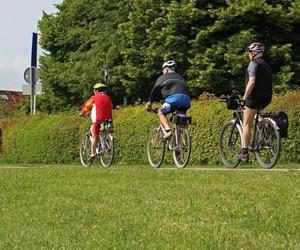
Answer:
x=236 y=169
x=174 y=168
x=20 y=167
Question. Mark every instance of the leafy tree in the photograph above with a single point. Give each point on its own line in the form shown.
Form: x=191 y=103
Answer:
x=133 y=38
x=217 y=58
x=77 y=39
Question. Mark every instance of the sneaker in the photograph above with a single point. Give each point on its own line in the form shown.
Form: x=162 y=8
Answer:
x=167 y=134
x=93 y=157
x=242 y=157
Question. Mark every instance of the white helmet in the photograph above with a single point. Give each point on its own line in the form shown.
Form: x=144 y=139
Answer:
x=256 y=47
x=170 y=64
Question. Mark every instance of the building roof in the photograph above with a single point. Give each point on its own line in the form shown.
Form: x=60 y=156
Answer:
x=11 y=98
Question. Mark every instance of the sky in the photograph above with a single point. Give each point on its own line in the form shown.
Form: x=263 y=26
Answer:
x=18 y=19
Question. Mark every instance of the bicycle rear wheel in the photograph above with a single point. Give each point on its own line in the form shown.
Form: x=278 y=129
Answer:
x=156 y=148
x=106 y=149
x=267 y=144
x=182 y=149
x=85 y=151
x=230 y=144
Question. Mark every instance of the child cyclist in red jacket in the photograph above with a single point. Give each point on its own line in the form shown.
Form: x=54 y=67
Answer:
x=101 y=111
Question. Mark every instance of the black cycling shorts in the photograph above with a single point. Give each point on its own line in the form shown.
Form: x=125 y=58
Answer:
x=255 y=104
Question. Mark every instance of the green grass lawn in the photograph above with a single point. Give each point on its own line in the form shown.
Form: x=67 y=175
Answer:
x=137 y=207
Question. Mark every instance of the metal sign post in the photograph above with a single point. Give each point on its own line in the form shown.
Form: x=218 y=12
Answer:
x=106 y=72
x=31 y=76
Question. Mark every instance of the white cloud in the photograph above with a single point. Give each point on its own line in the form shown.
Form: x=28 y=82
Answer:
x=18 y=19
x=4 y=62
x=12 y=70
x=15 y=64
x=20 y=63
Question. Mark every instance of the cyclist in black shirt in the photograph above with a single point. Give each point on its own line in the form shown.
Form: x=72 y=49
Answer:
x=173 y=88
x=258 y=93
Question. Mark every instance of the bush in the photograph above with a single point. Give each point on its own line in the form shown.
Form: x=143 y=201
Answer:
x=56 y=138
x=43 y=139
x=6 y=123
x=290 y=103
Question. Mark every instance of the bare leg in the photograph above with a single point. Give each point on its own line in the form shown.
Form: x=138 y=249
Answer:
x=164 y=121
x=94 y=144
x=249 y=115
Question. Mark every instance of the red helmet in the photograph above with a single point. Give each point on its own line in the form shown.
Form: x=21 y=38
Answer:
x=256 y=47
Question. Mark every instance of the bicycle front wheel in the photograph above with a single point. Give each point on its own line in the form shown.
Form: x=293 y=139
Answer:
x=156 y=148
x=267 y=144
x=230 y=144
x=85 y=151
x=183 y=146
x=107 y=149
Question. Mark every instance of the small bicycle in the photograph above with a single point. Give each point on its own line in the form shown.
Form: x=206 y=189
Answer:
x=266 y=142
x=105 y=146
x=179 y=142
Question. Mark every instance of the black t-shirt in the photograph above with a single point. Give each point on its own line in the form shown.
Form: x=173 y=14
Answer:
x=262 y=90
x=168 y=84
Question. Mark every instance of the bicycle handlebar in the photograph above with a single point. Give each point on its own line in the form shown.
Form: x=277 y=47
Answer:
x=223 y=99
x=226 y=99
x=232 y=101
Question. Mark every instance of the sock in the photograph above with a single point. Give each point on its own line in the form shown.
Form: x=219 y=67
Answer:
x=245 y=151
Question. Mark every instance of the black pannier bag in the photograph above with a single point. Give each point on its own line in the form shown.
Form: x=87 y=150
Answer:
x=232 y=103
x=282 y=121
x=180 y=119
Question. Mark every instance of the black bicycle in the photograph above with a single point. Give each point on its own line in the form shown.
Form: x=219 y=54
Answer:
x=104 y=149
x=266 y=142
x=179 y=142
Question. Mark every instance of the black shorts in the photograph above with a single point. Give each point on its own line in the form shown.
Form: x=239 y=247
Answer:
x=255 y=104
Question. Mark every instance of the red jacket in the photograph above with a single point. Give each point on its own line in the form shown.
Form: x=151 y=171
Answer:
x=101 y=107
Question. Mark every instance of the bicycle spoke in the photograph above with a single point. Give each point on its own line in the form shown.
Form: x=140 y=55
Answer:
x=181 y=153
x=267 y=144
x=155 y=148
x=85 y=151
x=230 y=145
x=107 y=149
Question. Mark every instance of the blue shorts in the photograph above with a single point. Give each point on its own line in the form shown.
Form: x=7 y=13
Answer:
x=179 y=101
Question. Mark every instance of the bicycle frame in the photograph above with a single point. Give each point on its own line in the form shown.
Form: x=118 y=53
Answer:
x=175 y=135
x=237 y=120
x=104 y=148
x=101 y=142
x=179 y=142
x=265 y=142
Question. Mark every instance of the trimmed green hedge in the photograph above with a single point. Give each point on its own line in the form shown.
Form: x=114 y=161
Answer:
x=42 y=139
x=289 y=103
x=56 y=138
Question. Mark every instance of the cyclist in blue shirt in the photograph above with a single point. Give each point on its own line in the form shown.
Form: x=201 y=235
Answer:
x=173 y=88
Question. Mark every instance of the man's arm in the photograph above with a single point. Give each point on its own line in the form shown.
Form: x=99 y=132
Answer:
x=252 y=69
x=87 y=106
x=153 y=93
x=249 y=87
x=156 y=89
x=152 y=96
